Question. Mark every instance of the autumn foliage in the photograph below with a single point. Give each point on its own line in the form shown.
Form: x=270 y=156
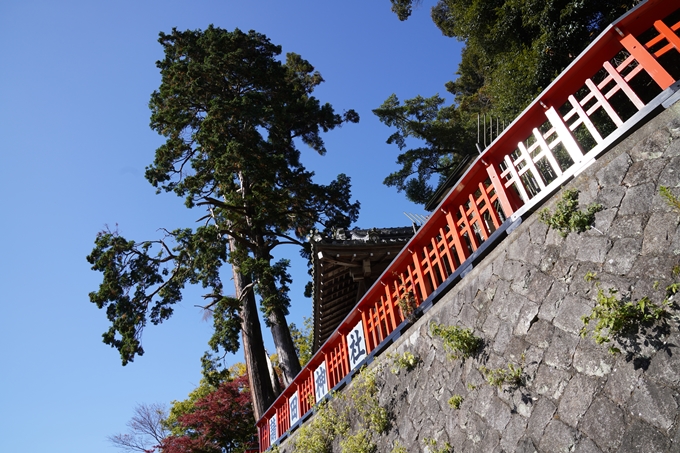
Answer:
x=221 y=421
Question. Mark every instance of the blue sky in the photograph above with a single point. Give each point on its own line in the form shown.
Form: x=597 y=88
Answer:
x=75 y=81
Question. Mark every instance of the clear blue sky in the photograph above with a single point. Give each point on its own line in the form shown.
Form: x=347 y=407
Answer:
x=75 y=81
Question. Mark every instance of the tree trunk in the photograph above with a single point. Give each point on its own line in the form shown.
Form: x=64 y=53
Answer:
x=261 y=390
x=285 y=347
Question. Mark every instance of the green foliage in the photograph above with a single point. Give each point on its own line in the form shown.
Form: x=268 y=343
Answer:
x=398 y=448
x=317 y=435
x=513 y=50
x=590 y=276
x=455 y=401
x=303 y=339
x=407 y=304
x=232 y=115
x=359 y=442
x=671 y=199
x=406 y=361
x=460 y=343
x=187 y=406
x=615 y=317
x=443 y=132
x=567 y=217
x=143 y=280
x=512 y=375
x=363 y=395
x=431 y=445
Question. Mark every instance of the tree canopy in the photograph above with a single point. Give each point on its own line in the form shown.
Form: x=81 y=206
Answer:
x=513 y=50
x=232 y=114
x=216 y=421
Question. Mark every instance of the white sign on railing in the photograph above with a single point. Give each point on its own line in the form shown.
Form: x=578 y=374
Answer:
x=356 y=344
x=294 y=404
x=273 y=435
x=320 y=381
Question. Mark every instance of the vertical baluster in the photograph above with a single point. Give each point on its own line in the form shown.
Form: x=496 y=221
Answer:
x=456 y=237
x=564 y=135
x=501 y=193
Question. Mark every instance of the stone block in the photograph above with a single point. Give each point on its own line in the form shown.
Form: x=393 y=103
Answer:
x=558 y=438
x=659 y=233
x=513 y=432
x=636 y=200
x=652 y=147
x=614 y=172
x=528 y=314
x=593 y=248
x=538 y=284
x=549 y=257
x=549 y=306
x=592 y=359
x=502 y=338
x=642 y=438
x=492 y=409
x=670 y=176
x=644 y=171
x=631 y=226
x=569 y=313
x=604 y=423
x=604 y=218
x=586 y=445
x=621 y=257
x=540 y=333
x=621 y=382
x=610 y=197
x=654 y=403
x=560 y=353
x=550 y=381
x=576 y=399
x=665 y=365
x=526 y=445
x=537 y=232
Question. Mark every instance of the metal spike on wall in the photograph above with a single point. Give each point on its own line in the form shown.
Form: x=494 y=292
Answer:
x=417 y=219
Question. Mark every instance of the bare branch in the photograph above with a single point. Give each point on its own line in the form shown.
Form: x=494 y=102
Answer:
x=145 y=429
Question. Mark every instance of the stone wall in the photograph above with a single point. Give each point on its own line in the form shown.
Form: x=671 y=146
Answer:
x=526 y=299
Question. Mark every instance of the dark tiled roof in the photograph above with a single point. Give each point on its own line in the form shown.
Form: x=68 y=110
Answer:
x=345 y=266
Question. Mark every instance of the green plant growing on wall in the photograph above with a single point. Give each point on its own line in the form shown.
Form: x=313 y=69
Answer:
x=671 y=199
x=407 y=303
x=431 y=445
x=590 y=276
x=406 y=361
x=317 y=435
x=512 y=375
x=363 y=397
x=460 y=343
x=398 y=448
x=614 y=317
x=360 y=442
x=567 y=218
x=361 y=404
x=455 y=401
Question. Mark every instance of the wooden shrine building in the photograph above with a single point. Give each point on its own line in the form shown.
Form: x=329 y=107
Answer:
x=345 y=266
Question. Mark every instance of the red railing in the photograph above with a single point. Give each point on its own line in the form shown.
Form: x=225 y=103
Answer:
x=612 y=86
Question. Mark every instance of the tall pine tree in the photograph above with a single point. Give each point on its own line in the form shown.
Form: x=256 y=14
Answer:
x=232 y=114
